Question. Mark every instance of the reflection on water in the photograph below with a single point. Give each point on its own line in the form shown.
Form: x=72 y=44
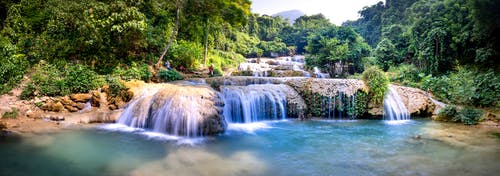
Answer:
x=319 y=147
x=194 y=161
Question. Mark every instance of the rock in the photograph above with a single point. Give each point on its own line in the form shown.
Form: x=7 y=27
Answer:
x=53 y=106
x=81 y=98
x=5 y=109
x=56 y=118
x=80 y=106
x=96 y=97
x=71 y=108
x=104 y=117
x=119 y=102
x=33 y=114
x=112 y=107
x=66 y=101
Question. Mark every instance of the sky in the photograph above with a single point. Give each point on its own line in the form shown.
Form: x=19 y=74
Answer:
x=337 y=11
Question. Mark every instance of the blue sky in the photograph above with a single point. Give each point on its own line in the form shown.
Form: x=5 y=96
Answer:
x=337 y=11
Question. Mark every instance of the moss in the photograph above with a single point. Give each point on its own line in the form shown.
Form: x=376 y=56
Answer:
x=497 y=135
x=12 y=114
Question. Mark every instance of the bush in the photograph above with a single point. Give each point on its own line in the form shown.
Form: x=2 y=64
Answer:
x=470 y=116
x=405 y=74
x=81 y=79
x=116 y=87
x=185 y=53
x=467 y=86
x=448 y=113
x=170 y=75
x=12 y=66
x=12 y=114
x=377 y=84
x=49 y=80
x=135 y=71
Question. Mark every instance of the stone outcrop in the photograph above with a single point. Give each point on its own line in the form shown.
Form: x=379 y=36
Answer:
x=416 y=100
x=81 y=98
x=175 y=109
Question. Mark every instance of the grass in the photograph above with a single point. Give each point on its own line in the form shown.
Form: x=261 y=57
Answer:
x=12 y=114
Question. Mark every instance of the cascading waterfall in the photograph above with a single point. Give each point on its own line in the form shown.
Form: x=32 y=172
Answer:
x=394 y=108
x=246 y=104
x=318 y=73
x=173 y=109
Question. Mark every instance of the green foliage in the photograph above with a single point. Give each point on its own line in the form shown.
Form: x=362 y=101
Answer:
x=334 y=45
x=116 y=87
x=273 y=48
x=170 y=75
x=405 y=74
x=377 y=83
x=187 y=54
x=386 y=54
x=81 y=79
x=222 y=60
x=12 y=66
x=135 y=71
x=470 y=116
x=49 y=80
x=448 y=113
x=12 y=114
x=466 y=87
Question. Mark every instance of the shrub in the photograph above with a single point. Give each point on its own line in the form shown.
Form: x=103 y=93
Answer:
x=116 y=87
x=81 y=79
x=170 y=75
x=470 y=116
x=49 y=80
x=448 y=113
x=186 y=54
x=405 y=74
x=12 y=66
x=135 y=71
x=467 y=86
x=12 y=114
x=377 y=84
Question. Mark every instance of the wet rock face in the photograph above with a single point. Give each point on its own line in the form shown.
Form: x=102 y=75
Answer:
x=80 y=98
x=416 y=101
x=175 y=109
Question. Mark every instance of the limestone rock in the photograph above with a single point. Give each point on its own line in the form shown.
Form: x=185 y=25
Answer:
x=81 y=98
x=71 y=108
x=53 y=106
x=80 y=106
x=67 y=101
x=96 y=97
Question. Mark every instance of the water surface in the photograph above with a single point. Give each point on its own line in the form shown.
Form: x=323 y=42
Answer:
x=364 y=147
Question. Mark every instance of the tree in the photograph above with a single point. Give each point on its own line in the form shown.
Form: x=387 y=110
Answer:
x=386 y=54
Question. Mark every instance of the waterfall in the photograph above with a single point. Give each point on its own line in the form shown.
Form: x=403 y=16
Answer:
x=252 y=103
x=318 y=73
x=179 y=110
x=394 y=108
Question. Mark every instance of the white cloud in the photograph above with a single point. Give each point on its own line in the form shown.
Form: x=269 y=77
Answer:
x=337 y=11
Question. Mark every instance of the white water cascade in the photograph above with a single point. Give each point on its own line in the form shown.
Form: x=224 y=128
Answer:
x=252 y=103
x=174 y=109
x=318 y=73
x=394 y=108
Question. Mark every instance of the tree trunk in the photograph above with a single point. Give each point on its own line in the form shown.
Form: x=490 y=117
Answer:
x=205 y=53
x=173 y=35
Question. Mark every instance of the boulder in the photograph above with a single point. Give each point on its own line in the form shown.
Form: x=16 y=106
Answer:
x=81 y=98
x=53 y=106
x=71 y=108
x=67 y=101
x=80 y=106
x=96 y=97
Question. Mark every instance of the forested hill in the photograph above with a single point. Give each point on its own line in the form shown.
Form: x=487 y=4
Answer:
x=449 y=47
